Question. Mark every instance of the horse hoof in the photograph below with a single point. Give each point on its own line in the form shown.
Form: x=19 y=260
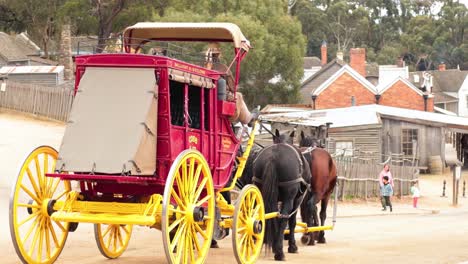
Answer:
x=311 y=242
x=280 y=257
x=322 y=240
x=292 y=249
x=214 y=244
x=305 y=239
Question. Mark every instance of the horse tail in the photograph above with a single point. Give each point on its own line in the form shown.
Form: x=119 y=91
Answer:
x=333 y=173
x=270 y=193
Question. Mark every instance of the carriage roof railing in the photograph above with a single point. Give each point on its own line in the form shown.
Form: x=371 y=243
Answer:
x=152 y=47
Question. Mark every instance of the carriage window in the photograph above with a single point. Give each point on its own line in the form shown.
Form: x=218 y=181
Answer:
x=207 y=108
x=194 y=106
x=177 y=103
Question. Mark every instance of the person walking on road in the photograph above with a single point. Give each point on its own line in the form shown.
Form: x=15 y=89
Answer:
x=386 y=191
x=415 y=193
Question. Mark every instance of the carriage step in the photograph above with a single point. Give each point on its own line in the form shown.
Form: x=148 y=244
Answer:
x=129 y=219
x=309 y=229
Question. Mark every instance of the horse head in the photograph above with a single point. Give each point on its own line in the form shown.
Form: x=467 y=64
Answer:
x=308 y=141
x=283 y=138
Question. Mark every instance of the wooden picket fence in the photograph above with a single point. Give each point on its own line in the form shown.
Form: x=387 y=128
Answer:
x=359 y=178
x=49 y=102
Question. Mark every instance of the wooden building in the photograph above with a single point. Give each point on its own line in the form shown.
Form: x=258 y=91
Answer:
x=377 y=132
x=40 y=75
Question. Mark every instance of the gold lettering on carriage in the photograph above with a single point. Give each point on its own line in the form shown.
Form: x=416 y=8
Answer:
x=189 y=68
x=226 y=142
x=193 y=139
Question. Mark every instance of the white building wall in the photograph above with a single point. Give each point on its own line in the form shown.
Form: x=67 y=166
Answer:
x=462 y=99
x=388 y=73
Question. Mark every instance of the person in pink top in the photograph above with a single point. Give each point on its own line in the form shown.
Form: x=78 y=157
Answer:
x=386 y=172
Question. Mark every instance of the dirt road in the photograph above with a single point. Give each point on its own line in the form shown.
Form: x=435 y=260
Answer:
x=409 y=238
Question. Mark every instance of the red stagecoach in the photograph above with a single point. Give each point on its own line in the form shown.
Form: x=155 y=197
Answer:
x=148 y=142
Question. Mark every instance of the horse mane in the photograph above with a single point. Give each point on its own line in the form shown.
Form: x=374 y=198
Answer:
x=308 y=141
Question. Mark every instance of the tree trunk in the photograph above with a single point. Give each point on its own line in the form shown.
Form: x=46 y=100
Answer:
x=103 y=34
x=106 y=22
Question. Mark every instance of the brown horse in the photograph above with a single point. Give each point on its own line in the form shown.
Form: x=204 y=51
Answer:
x=323 y=181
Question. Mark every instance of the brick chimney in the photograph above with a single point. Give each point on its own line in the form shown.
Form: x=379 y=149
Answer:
x=323 y=50
x=65 y=57
x=442 y=67
x=357 y=58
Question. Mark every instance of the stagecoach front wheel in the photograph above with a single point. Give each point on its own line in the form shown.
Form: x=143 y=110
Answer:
x=112 y=240
x=248 y=228
x=36 y=237
x=188 y=209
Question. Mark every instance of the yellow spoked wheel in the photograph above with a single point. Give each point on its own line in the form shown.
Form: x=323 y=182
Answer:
x=36 y=237
x=112 y=240
x=188 y=209
x=248 y=228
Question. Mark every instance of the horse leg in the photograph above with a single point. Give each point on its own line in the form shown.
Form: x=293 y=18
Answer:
x=313 y=235
x=292 y=248
x=323 y=216
x=287 y=207
x=311 y=220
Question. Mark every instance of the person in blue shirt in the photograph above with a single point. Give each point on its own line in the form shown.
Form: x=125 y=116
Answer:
x=386 y=192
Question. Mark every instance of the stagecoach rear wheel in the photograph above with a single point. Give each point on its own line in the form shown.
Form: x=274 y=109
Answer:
x=111 y=239
x=248 y=228
x=188 y=209
x=36 y=237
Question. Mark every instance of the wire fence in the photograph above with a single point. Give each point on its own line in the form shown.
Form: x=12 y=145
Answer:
x=49 y=102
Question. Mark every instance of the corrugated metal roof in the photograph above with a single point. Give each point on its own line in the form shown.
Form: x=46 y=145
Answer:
x=9 y=50
x=30 y=69
x=340 y=117
x=363 y=115
x=284 y=108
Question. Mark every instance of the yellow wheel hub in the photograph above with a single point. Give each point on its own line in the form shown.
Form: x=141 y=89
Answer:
x=36 y=237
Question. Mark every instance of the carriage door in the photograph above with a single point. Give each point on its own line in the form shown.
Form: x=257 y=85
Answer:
x=198 y=120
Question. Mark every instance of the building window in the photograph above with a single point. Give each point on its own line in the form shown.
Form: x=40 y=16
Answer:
x=344 y=148
x=408 y=141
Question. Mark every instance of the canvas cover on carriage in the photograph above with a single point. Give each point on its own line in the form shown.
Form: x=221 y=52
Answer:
x=112 y=125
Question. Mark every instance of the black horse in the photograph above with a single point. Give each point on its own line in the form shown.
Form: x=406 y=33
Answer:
x=282 y=174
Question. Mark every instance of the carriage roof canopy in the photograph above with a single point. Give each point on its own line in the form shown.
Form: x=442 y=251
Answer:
x=223 y=32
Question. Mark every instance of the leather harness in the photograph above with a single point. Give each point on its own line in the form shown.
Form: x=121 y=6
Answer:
x=302 y=160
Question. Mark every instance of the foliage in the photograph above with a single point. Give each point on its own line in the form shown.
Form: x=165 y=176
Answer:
x=424 y=32
x=278 y=45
